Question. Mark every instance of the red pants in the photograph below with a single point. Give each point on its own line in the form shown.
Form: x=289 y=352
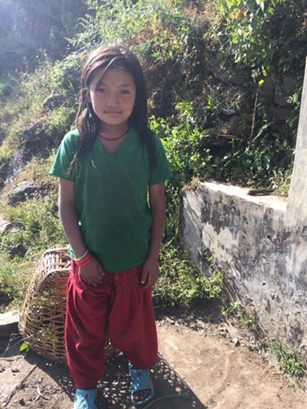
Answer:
x=119 y=306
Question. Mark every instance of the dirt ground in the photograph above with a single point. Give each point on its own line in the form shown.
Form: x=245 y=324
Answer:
x=218 y=364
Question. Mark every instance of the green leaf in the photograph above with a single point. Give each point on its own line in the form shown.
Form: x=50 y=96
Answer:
x=24 y=347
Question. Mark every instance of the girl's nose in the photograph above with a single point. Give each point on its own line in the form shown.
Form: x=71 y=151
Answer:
x=112 y=100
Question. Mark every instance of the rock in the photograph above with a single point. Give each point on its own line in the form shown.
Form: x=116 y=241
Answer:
x=284 y=90
x=3 y=223
x=14 y=227
x=236 y=342
x=15 y=166
x=229 y=75
x=279 y=114
x=53 y=101
x=3 y=171
x=233 y=123
x=82 y=51
x=19 y=250
x=184 y=67
x=229 y=111
x=21 y=191
x=6 y=90
x=35 y=130
x=8 y=323
x=267 y=88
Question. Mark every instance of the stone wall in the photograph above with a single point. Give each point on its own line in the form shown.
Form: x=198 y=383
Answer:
x=261 y=242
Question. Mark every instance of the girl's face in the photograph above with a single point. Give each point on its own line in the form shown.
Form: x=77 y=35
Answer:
x=112 y=98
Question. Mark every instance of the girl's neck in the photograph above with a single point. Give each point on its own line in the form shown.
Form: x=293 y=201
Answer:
x=113 y=132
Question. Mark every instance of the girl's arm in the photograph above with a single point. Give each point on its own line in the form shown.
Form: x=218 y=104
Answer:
x=150 y=272
x=93 y=272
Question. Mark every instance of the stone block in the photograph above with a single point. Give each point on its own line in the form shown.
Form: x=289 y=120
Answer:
x=8 y=323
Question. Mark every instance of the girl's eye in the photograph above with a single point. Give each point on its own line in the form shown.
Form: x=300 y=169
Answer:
x=125 y=92
x=101 y=90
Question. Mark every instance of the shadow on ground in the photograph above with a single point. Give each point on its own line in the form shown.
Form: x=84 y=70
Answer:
x=40 y=383
x=170 y=388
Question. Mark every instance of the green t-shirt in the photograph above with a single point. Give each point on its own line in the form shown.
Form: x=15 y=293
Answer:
x=111 y=197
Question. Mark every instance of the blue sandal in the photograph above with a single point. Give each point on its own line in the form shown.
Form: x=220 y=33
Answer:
x=86 y=399
x=140 y=380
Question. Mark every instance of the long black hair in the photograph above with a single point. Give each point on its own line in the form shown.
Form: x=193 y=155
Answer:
x=87 y=122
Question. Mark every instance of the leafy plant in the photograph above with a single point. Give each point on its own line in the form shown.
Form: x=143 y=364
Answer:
x=13 y=279
x=255 y=35
x=25 y=349
x=41 y=226
x=180 y=285
x=264 y=38
x=240 y=313
x=183 y=143
x=288 y=361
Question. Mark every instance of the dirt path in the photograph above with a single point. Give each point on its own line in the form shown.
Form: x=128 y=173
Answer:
x=197 y=356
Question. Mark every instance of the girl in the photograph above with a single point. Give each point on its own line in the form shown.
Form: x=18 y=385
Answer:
x=107 y=166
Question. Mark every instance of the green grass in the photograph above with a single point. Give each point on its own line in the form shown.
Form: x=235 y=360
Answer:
x=288 y=361
x=237 y=311
x=180 y=285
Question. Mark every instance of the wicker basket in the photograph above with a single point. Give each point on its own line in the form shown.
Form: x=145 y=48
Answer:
x=42 y=315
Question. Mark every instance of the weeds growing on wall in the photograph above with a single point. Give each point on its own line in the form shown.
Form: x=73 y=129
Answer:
x=288 y=361
x=237 y=311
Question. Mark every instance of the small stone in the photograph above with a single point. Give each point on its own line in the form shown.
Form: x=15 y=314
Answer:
x=8 y=323
x=229 y=111
x=21 y=191
x=19 y=250
x=3 y=223
x=14 y=227
x=236 y=342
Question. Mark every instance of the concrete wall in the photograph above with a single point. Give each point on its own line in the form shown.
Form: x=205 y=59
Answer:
x=297 y=204
x=262 y=244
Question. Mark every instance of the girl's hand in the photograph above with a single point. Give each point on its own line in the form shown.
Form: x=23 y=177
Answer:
x=150 y=273
x=92 y=273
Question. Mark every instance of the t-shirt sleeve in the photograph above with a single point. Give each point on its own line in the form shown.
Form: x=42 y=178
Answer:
x=62 y=164
x=161 y=170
